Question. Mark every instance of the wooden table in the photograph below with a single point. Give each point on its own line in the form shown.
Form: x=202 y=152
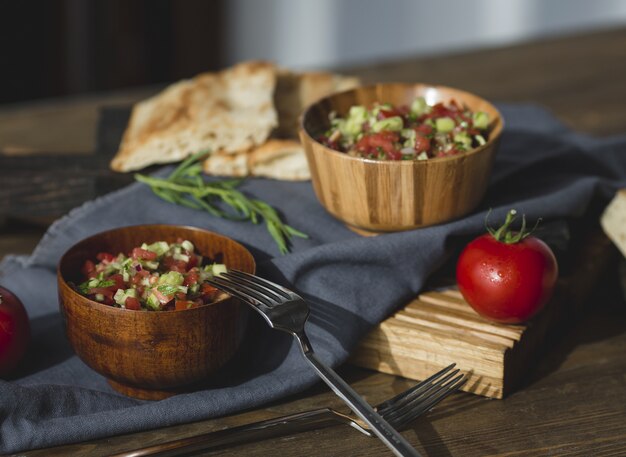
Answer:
x=573 y=402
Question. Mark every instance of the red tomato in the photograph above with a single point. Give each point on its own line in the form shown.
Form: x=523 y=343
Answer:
x=14 y=331
x=191 y=278
x=424 y=129
x=373 y=143
x=422 y=143
x=143 y=254
x=132 y=303
x=184 y=304
x=89 y=269
x=506 y=281
x=172 y=264
x=105 y=256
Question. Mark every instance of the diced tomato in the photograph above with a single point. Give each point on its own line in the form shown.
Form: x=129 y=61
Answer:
x=143 y=254
x=424 y=129
x=163 y=298
x=172 y=264
x=88 y=269
x=193 y=261
x=106 y=291
x=208 y=289
x=382 y=141
x=448 y=153
x=139 y=276
x=185 y=304
x=440 y=110
x=105 y=256
x=180 y=296
x=132 y=303
x=118 y=282
x=422 y=143
x=191 y=278
x=387 y=113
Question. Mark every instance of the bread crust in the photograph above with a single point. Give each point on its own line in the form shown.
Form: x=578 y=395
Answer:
x=228 y=111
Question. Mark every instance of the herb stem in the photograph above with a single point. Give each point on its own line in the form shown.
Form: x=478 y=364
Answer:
x=184 y=186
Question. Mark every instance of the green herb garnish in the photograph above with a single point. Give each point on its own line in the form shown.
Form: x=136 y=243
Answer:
x=94 y=283
x=167 y=289
x=184 y=186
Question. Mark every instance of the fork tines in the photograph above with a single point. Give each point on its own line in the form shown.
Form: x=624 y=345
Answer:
x=251 y=288
x=408 y=405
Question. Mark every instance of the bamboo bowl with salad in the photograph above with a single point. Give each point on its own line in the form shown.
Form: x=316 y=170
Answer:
x=393 y=157
x=137 y=312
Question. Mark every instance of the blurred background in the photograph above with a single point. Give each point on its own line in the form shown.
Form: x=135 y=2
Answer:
x=60 y=47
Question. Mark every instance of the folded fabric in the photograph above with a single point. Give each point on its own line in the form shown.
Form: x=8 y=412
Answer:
x=352 y=283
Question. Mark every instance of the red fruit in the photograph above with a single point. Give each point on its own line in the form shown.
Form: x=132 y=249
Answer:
x=14 y=331
x=506 y=276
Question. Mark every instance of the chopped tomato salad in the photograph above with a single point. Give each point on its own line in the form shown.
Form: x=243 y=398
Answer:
x=155 y=277
x=416 y=132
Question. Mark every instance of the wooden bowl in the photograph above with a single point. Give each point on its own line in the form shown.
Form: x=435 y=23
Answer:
x=384 y=196
x=152 y=354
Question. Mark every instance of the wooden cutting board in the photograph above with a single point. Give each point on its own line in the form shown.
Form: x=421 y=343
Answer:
x=439 y=328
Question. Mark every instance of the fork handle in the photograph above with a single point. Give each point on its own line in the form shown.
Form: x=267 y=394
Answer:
x=242 y=434
x=379 y=426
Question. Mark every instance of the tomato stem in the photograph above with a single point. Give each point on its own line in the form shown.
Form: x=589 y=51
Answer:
x=505 y=234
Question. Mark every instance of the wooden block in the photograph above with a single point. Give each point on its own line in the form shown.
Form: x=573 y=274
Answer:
x=613 y=220
x=438 y=328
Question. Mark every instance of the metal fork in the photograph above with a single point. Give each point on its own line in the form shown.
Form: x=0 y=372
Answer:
x=287 y=311
x=399 y=411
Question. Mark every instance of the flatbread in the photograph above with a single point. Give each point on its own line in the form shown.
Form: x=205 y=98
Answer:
x=229 y=111
x=280 y=159
x=296 y=91
x=276 y=159
x=227 y=164
x=282 y=156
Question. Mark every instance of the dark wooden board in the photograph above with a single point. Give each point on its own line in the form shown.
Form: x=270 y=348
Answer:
x=46 y=186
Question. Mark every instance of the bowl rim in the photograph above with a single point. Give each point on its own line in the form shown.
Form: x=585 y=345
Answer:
x=493 y=138
x=115 y=309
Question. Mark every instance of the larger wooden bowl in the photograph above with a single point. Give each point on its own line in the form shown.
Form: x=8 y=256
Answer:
x=383 y=196
x=152 y=354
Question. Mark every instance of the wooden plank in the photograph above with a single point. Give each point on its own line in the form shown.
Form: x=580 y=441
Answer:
x=48 y=186
x=439 y=327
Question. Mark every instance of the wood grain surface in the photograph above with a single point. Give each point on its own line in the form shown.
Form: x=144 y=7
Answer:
x=573 y=403
x=387 y=195
x=439 y=328
x=153 y=355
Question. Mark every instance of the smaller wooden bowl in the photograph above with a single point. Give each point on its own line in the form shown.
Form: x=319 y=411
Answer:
x=152 y=354
x=385 y=196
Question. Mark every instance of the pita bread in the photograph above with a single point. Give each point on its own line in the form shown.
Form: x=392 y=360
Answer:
x=296 y=91
x=276 y=159
x=227 y=164
x=229 y=111
x=282 y=156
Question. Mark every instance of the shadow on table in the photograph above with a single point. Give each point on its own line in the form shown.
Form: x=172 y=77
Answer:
x=604 y=317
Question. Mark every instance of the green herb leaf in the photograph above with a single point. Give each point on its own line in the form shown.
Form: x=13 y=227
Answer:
x=85 y=287
x=167 y=289
x=185 y=187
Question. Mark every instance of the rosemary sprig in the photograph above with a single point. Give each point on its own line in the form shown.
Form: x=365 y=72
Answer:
x=185 y=186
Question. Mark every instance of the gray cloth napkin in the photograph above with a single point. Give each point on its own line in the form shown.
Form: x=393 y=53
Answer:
x=542 y=169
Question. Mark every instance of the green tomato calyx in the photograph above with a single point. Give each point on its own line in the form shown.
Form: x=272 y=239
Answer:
x=505 y=234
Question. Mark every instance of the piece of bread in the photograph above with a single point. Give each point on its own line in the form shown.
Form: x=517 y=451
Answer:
x=229 y=111
x=234 y=165
x=276 y=159
x=282 y=156
x=296 y=91
x=613 y=220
